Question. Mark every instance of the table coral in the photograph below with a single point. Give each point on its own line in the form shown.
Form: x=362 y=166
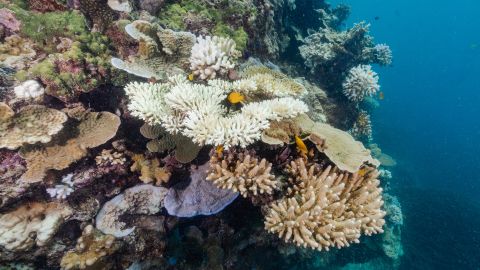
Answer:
x=339 y=146
x=90 y=250
x=141 y=199
x=30 y=224
x=199 y=197
x=95 y=129
x=328 y=209
x=242 y=172
x=32 y=124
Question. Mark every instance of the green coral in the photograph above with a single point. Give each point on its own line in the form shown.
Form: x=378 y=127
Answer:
x=82 y=68
x=172 y=16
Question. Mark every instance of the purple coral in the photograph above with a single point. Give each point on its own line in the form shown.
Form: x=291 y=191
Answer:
x=8 y=20
x=200 y=197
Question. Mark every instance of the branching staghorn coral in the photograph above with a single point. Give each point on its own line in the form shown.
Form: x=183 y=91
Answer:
x=242 y=172
x=212 y=55
x=361 y=82
x=32 y=124
x=327 y=209
x=196 y=111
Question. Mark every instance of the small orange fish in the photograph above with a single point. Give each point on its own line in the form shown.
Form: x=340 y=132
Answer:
x=152 y=80
x=362 y=172
x=191 y=77
x=219 y=149
x=301 y=145
x=235 y=97
x=381 y=95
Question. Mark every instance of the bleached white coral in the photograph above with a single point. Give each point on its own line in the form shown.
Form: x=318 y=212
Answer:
x=61 y=192
x=360 y=82
x=196 y=111
x=211 y=56
x=383 y=54
x=30 y=89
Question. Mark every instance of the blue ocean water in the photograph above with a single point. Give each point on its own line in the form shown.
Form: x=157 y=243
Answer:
x=429 y=121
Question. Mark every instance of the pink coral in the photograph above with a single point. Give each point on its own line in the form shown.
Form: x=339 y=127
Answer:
x=8 y=20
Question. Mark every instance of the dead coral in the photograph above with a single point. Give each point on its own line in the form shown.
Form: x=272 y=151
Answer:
x=141 y=199
x=30 y=125
x=150 y=170
x=91 y=248
x=30 y=224
x=328 y=209
x=94 y=130
x=242 y=172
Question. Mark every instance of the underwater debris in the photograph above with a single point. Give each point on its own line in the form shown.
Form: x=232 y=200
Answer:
x=327 y=209
x=30 y=224
x=200 y=197
x=95 y=129
x=360 y=82
x=32 y=124
x=140 y=199
x=242 y=172
x=91 y=248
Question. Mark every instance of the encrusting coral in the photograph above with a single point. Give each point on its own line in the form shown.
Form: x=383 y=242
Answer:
x=327 y=209
x=211 y=56
x=91 y=248
x=200 y=197
x=242 y=172
x=30 y=224
x=140 y=199
x=32 y=124
x=94 y=129
x=361 y=82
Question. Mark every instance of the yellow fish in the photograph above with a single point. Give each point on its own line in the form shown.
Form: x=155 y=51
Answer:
x=191 y=77
x=235 y=97
x=219 y=149
x=362 y=172
x=301 y=145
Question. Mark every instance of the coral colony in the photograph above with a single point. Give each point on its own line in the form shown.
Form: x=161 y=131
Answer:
x=190 y=134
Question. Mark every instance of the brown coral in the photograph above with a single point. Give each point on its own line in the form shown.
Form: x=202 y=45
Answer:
x=30 y=125
x=91 y=248
x=98 y=12
x=94 y=130
x=150 y=170
x=242 y=172
x=327 y=208
x=30 y=224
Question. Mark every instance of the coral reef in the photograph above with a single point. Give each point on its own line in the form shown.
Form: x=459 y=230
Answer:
x=141 y=199
x=360 y=82
x=30 y=89
x=200 y=197
x=212 y=55
x=150 y=170
x=95 y=129
x=242 y=172
x=31 y=224
x=91 y=248
x=32 y=124
x=327 y=209
x=362 y=127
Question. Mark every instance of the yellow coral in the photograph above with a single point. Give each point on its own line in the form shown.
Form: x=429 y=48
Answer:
x=150 y=170
x=91 y=248
x=326 y=208
x=242 y=172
